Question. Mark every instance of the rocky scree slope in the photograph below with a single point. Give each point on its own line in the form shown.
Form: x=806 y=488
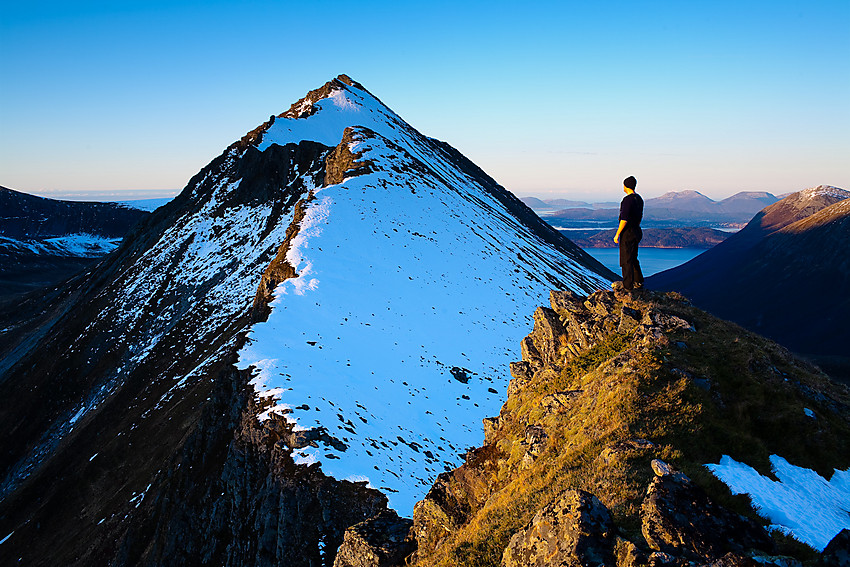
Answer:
x=134 y=440
x=598 y=455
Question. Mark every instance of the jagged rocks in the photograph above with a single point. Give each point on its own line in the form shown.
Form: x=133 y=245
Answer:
x=342 y=163
x=588 y=320
x=522 y=374
x=678 y=518
x=545 y=338
x=453 y=498
x=565 y=301
x=629 y=319
x=734 y=560
x=575 y=530
x=382 y=541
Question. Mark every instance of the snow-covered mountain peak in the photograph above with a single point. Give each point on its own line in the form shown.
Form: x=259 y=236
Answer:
x=416 y=278
x=324 y=113
x=823 y=191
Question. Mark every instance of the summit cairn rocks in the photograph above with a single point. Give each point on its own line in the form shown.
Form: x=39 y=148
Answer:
x=574 y=531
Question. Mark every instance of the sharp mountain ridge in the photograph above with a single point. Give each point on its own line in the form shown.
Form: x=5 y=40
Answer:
x=349 y=247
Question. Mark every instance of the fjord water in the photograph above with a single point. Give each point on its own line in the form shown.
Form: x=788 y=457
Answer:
x=652 y=260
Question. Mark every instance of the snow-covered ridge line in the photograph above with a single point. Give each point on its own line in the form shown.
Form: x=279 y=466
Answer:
x=416 y=286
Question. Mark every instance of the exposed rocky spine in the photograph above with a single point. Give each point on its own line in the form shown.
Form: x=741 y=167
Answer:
x=522 y=500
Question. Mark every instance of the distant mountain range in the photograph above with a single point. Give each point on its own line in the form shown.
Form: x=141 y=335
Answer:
x=786 y=275
x=673 y=209
x=43 y=241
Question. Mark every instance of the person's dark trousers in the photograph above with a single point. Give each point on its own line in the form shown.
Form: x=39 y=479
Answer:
x=629 y=240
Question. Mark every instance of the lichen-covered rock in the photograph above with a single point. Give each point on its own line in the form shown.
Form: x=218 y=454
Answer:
x=453 y=498
x=629 y=319
x=564 y=301
x=678 y=518
x=655 y=318
x=627 y=554
x=546 y=337
x=575 y=530
x=382 y=541
x=735 y=560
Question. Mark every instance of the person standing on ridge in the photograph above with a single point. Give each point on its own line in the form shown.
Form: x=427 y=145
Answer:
x=629 y=235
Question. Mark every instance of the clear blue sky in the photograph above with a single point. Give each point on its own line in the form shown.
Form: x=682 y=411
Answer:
x=553 y=99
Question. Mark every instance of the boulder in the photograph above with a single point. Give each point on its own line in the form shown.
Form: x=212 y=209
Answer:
x=565 y=301
x=678 y=518
x=547 y=335
x=382 y=541
x=628 y=554
x=574 y=531
x=629 y=319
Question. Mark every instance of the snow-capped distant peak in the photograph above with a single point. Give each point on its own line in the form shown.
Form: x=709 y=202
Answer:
x=823 y=191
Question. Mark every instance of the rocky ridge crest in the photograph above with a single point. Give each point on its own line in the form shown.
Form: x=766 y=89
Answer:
x=610 y=389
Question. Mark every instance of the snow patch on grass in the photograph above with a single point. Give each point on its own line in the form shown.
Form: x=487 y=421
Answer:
x=801 y=504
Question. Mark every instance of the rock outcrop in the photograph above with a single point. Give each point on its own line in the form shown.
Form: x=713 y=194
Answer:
x=678 y=518
x=573 y=531
x=382 y=541
x=610 y=399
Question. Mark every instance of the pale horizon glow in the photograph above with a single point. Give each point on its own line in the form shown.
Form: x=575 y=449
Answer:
x=558 y=100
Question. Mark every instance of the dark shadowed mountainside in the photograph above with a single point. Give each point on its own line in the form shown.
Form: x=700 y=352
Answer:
x=26 y=216
x=44 y=241
x=785 y=275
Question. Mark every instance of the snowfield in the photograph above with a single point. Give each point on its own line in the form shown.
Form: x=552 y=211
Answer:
x=415 y=289
x=801 y=504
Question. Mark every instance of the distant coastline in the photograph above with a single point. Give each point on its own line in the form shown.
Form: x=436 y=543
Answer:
x=700 y=237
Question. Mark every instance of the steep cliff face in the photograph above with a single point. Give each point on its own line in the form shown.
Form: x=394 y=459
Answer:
x=599 y=454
